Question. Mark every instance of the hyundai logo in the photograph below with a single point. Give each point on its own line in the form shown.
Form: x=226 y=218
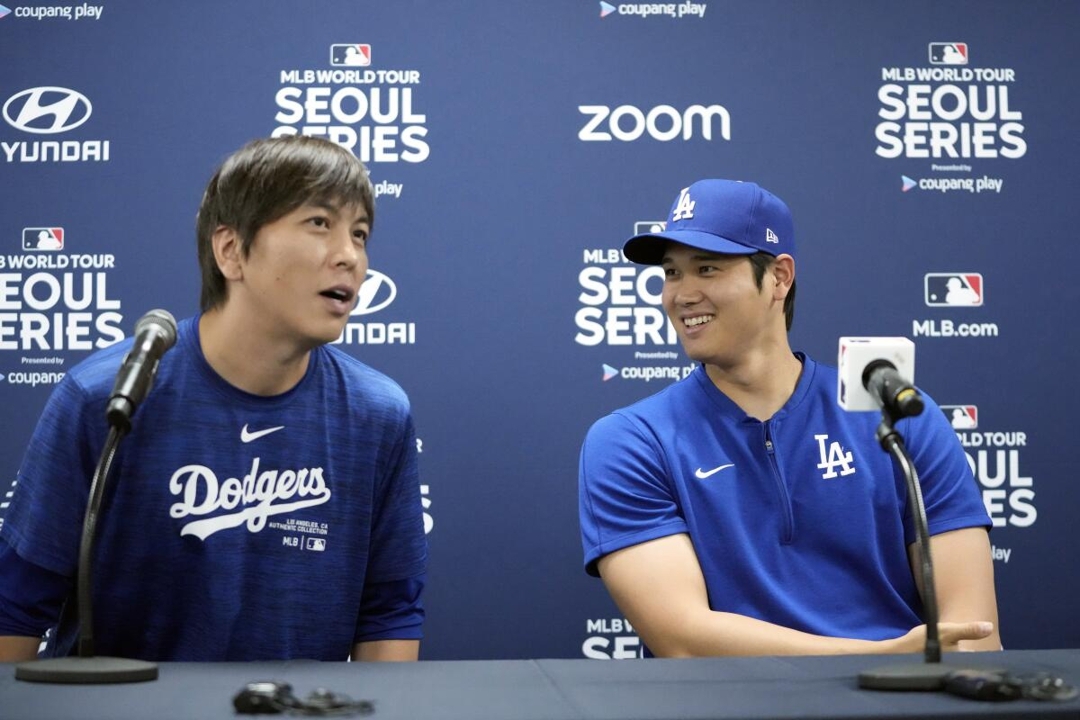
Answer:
x=377 y=292
x=47 y=110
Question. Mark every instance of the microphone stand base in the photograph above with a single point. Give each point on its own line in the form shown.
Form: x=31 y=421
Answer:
x=86 y=670
x=911 y=676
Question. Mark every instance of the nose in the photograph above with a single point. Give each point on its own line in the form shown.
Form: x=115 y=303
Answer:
x=346 y=252
x=684 y=291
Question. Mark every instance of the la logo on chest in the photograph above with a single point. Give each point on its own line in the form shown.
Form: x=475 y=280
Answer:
x=833 y=457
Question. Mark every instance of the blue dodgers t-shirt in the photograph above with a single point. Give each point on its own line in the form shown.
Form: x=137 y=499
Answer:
x=802 y=520
x=235 y=527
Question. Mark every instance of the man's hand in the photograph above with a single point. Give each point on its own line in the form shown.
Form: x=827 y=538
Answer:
x=949 y=633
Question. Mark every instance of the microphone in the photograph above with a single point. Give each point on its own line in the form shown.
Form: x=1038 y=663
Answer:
x=155 y=332
x=873 y=374
x=895 y=394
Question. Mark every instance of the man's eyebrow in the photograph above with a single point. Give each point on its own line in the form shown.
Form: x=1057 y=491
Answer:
x=336 y=211
x=667 y=259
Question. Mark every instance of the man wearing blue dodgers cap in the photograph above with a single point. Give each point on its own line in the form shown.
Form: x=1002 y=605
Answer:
x=740 y=511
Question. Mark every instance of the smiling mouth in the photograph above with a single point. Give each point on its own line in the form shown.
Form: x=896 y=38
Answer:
x=699 y=320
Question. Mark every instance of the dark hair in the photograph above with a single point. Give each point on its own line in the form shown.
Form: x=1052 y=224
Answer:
x=761 y=261
x=266 y=180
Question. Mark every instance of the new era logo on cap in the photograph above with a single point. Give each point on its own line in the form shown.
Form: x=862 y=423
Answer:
x=728 y=217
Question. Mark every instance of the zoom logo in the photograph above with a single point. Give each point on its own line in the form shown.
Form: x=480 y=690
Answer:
x=663 y=122
x=376 y=293
x=47 y=110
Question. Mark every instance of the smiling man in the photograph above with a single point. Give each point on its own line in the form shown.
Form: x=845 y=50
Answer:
x=711 y=510
x=266 y=504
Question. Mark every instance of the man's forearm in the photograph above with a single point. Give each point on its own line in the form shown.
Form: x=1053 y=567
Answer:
x=720 y=633
x=964 y=581
x=18 y=649
x=659 y=587
x=387 y=651
x=717 y=633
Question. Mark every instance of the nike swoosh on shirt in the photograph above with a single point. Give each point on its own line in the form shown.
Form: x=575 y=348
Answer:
x=702 y=474
x=247 y=436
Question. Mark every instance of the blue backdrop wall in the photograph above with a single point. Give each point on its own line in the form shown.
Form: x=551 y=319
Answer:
x=927 y=149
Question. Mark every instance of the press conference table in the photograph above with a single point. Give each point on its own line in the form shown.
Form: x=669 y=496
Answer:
x=766 y=687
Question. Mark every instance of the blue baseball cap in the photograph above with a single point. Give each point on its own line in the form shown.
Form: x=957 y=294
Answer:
x=729 y=217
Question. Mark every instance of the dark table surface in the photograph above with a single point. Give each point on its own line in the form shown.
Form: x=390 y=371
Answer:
x=763 y=687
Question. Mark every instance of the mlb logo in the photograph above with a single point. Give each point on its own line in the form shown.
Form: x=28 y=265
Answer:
x=43 y=239
x=962 y=417
x=644 y=227
x=952 y=53
x=350 y=55
x=953 y=289
x=316 y=544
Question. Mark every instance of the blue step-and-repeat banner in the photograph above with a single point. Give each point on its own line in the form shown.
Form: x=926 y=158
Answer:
x=928 y=150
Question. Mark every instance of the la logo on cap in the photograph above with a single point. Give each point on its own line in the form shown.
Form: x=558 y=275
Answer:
x=685 y=209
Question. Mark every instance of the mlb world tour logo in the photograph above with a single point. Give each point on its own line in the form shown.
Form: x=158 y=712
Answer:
x=67 y=311
x=948 y=112
x=621 y=303
x=994 y=458
x=377 y=124
x=611 y=639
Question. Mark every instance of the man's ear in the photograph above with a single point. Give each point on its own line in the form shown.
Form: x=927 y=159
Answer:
x=783 y=270
x=227 y=253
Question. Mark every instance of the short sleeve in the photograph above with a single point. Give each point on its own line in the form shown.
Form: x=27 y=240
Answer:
x=951 y=494
x=398 y=545
x=625 y=495
x=44 y=522
x=391 y=610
